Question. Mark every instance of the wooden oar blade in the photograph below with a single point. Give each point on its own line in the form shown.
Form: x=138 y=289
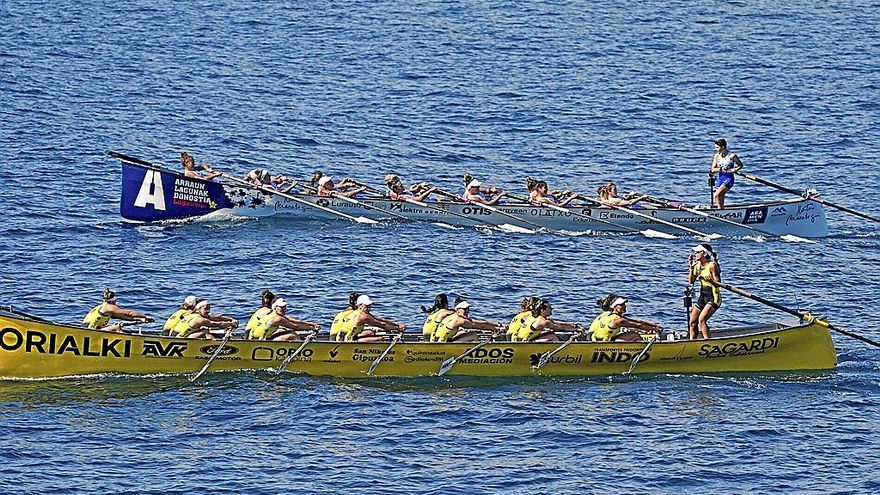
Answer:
x=650 y=233
x=794 y=238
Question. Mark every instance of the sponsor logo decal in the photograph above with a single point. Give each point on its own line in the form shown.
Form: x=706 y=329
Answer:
x=756 y=346
x=227 y=350
x=12 y=339
x=617 y=356
x=151 y=191
x=371 y=355
x=275 y=354
x=755 y=215
x=191 y=193
x=155 y=348
x=534 y=359
x=805 y=212
x=489 y=356
x=424 y=356
x=334 y=352
x=475 y=210
x=779 y=210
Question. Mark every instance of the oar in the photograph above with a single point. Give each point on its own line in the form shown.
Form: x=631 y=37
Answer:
x=298 y=200
x=545 y=358
x=309 y=338
x=477 y=223
x=504 y=226
x=638 y=358
x=213 y=356
x=646 y=232
x=449 y=363
x=786 y=237
x=649 y=217
x=801 y=315
x=808 y=196
x=397 y=338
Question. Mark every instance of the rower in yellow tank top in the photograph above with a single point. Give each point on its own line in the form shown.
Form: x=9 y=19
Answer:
x=183 y=328
x=277 y=326
x=525 y=332
x=436 y=313
x=198 y=324
x=186 y=309
x=460 y=327
x=518 y=319
x=337 y=326
x=99 y=316
x=612 y=325
x=352 y=326
x=539 y=327
x=266 y=300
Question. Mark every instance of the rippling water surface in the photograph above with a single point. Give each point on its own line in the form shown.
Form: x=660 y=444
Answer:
x=579 y=94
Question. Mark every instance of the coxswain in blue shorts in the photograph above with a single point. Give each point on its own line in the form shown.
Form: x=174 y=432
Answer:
x=725 y=164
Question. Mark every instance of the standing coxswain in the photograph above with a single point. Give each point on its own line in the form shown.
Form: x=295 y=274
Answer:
x=460 y=327
x=725 y=164
x=98 y=318
x=703 y=266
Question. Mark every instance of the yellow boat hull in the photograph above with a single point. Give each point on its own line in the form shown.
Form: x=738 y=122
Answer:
x=34 y=349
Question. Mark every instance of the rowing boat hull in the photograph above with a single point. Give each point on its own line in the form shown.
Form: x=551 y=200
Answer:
x=36 y=349
x=154 y=194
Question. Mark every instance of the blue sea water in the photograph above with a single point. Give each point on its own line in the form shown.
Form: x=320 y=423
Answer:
x=578 y=93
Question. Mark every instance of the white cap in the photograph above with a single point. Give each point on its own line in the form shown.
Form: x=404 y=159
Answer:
x=279 y=303
x=463 y=305
x=618 y=302
x=202 y=304
x=190 y=300
x=364 y=300
x=474 y=183
x=701 y=248
x=324 y=180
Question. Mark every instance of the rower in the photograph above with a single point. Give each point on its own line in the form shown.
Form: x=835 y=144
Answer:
x=396 y=189
x=192 y=170
x=473 y=194
x=539 y=194
x=270 y=326
x=99 y=317
x=266 y=300
x=703 y=265
x=604 y=305
x=198 y=325
x=519 y=319
x=725 y=164
x=436 y=314
x=352 y=326
x=186 y=309
x=326 y=187
x=261 y=177
x=459 y=326
x=538 y=327
x=336 y=332
x=608 y=195
x=614 y=326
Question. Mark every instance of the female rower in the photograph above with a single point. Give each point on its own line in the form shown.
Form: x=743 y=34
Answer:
x=459 y=326
x=352 y=326
x=186 y=309
x=98 y=317
x=436 y=314
x=703 y=265
x=326 y=187
x=519 y=319
x=266 y=300
x=336 y=327
x=539 y=194
x=614 y=326
x=725 y=164
x=198 y=325
x=261 y=177
x=191 y=170
x=270 y=326
x=608 y=195
x=396 y=189
x=474 y=195
x=539 y=327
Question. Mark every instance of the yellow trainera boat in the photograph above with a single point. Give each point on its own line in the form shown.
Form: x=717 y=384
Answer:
x=34 y=348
